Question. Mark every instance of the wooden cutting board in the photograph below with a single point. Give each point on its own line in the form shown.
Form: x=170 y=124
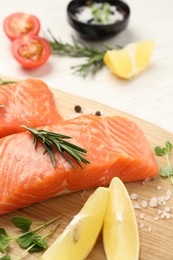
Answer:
x=155 y=237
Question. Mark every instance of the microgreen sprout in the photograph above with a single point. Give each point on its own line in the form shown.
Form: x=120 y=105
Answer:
x=29 y=239
x=167 y=170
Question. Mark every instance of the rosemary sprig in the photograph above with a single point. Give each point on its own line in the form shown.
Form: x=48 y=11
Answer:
x=94 y=56
x=53 y=141
x=92 y=65
x=5 y=82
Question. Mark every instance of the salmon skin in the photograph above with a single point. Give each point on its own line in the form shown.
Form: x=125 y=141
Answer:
x=27 y=102
x=115 y=146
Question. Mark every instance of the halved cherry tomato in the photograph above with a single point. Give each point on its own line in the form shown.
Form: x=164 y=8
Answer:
x=20 y=24
x=31 y=51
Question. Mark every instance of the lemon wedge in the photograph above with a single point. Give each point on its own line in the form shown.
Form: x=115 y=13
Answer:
x=79 y=237
x=120 y=231
x=131 y=60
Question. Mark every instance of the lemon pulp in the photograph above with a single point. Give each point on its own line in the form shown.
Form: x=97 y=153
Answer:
x=120 y=231
x=79 y=237
x=131 y=60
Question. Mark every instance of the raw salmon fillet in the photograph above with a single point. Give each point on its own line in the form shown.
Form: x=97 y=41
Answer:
x=116 y=147
x=28 y=102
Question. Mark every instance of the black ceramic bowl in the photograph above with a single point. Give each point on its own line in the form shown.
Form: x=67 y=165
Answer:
x=97 y=31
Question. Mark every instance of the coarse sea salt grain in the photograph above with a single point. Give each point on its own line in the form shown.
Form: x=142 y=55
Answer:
x=141 y=225
x=142 y=215
x=144 y=203
x=167 y=209
x=133 y=196
x=149 y=229
x=156 y=218
x=158 y=187
x=169 y=192
x=159 y=212
x=163 y=215
x=161 y=199
x=168 y=215
x=153 y=202
x=136 y=206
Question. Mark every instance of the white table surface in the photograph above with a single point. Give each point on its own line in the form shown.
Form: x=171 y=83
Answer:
x=148 y=96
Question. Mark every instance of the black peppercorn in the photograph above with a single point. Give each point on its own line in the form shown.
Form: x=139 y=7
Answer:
x=78 y=109
x=98 y=113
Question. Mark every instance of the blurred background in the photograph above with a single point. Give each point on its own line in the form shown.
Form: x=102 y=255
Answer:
x=148 y=96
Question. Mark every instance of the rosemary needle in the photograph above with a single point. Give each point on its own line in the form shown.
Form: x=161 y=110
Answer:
x=5 y=82
x=94 y=56
x=54 y=141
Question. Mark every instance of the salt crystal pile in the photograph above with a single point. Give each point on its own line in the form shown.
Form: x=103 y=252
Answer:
x=166 y=213
x=163 y=213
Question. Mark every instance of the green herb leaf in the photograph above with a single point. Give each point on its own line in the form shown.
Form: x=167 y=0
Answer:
x=4 y=240
x=168 y=147
x=26 y=240
x=3 y=233
x=39 y=241
x=30 y=241
x=6 y=257
x=4 y=244
x=166 y=171
x=22 y=222
x=159 y=151
x=36 y=249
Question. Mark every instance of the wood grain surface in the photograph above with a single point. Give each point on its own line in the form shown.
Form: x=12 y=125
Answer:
x=155 y=237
